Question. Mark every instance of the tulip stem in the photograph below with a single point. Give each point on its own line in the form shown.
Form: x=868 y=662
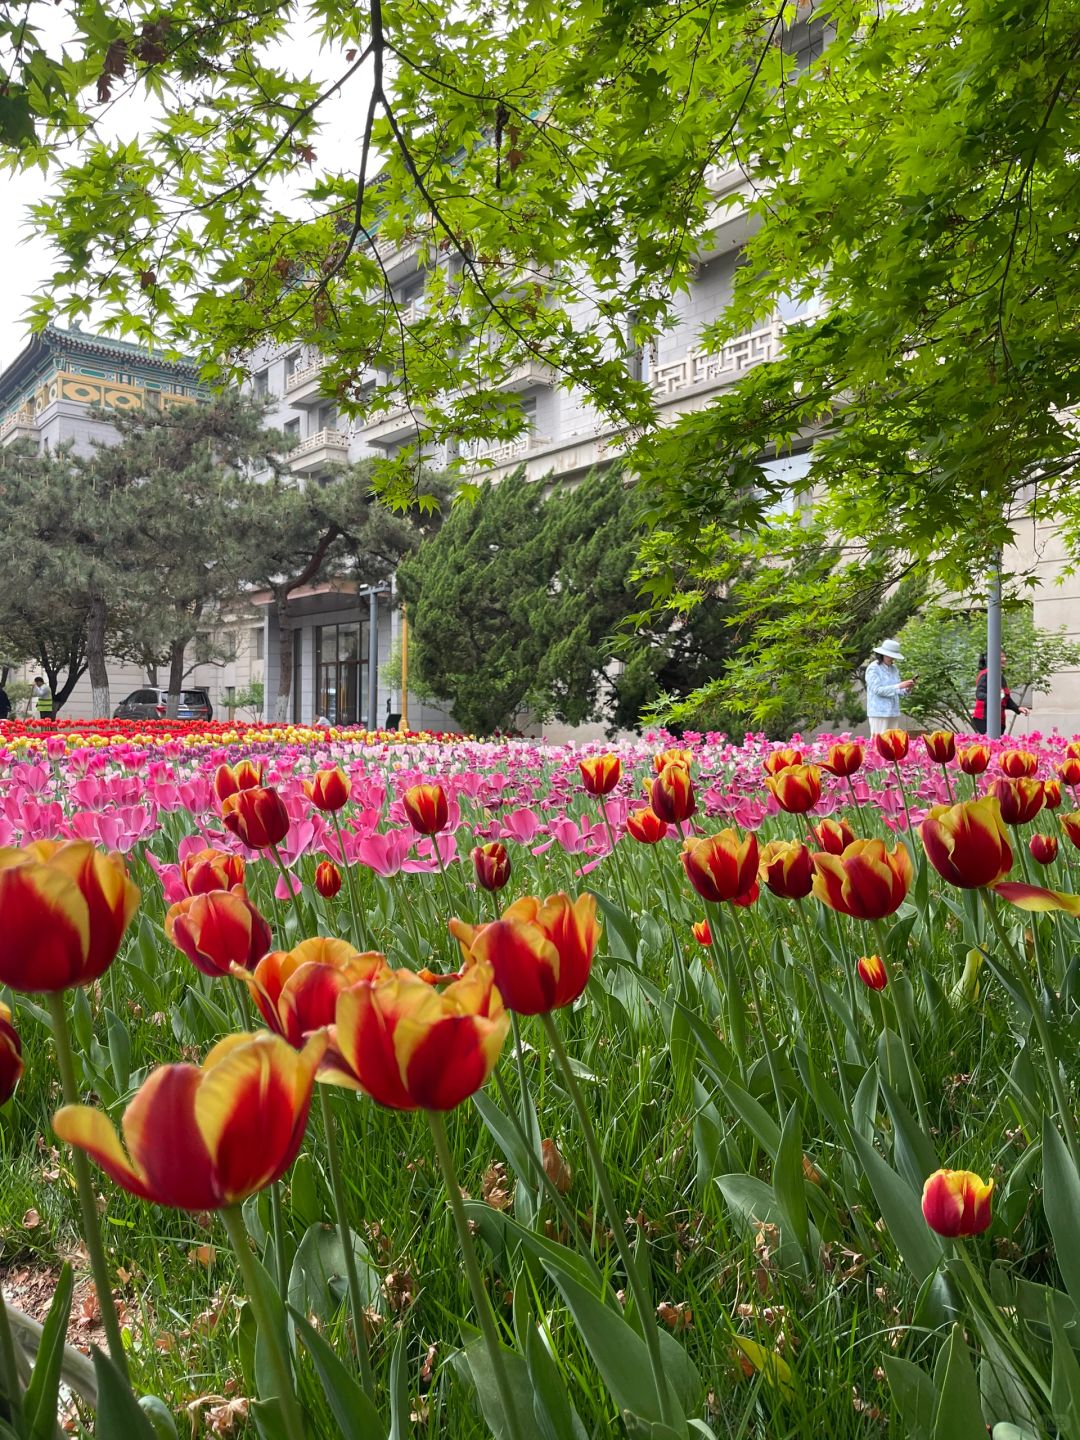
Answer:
x=755 y=993
x=642 y=1301
x=736 y=1022
x=676 y=946
x=1045 y=1039
x=95 y=1249
x=356 y=1299
x=442 y=871
x=994 y=1312
x=616 y=866
x=519 y=1064
x=902 y=1026
x=350 y=881
x=279 y=1360
x=485 y=1314
x=948 y=786
x=287 y=878
x=826 y=1015
x=277 y=1226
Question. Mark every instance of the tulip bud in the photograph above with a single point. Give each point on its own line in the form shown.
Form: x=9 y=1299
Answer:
x=663 y=758
x=871 y=971
x=1072 y=750
x=892 y=744
x=1020 y=800
x=672 y=795
x=328 y=789
x=11 y=1064
x=1071 y=825
x=1044 y=848
x=940 y=746
x=723 y=867
x=702 y=933
x=646 y=826
x=967 y=844
x=327 y=879
x=426 y=807
x=956 y=1203
x=1069 y=770
x=257 y=817
x=228 y=779
x=492 y=865
x=600 y=773
x=787 y=868
x=1051 y=794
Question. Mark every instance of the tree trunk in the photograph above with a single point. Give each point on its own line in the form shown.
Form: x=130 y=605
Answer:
x=285 y=661
x=176 y=678
x=95 y=657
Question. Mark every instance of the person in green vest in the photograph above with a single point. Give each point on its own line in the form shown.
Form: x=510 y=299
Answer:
x=42 y=697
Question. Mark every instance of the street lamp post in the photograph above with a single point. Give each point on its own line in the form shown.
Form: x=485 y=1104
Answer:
x=993 y=651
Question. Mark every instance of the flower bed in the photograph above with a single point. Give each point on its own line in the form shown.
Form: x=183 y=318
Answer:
x=709 y=1087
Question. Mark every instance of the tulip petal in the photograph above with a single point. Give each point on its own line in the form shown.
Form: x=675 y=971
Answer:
x=165 y=1143
x=46 y=931
x=444 y=1063
x=1034 y=897
x=92 y=1131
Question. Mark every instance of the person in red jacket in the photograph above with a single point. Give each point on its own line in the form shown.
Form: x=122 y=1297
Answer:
x=978 y=715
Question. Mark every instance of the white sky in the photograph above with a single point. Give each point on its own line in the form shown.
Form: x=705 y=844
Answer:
x=26 y=259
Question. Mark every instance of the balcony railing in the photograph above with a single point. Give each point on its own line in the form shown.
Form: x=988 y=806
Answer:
x=301 y=378
x=321 y=440
x=22 y=419
x=700 y=368
x=507 y=450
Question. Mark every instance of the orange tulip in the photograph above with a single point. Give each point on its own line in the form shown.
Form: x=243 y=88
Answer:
x=327 y=879
x=786 y=868
x=540 y=954
x=1020 y=800
x=228 y=779
x=1044 y=848
x=328 y=789
x=1051 y=794
x=778 y=760
x=1069 y=770
x=492 y=865
x=11 y=1065
x=844 y=759
x=257 y=817
x=205 y=1137
x=974 y=760
x=871 y=971
x=296 y=990
x=65 y=908
x=210 y=869
x=1018 y=764
x=892 y=744
x=646 y=826
x=967 y=844
x=410 y=1046
x=600 y=773
x=702 y=932
x=672 y=795
x=218 y=931
x=956 y=1203
x=940 y=746
x=663 y=758
x=867 y=881
x=834 y=836
x=797 y=788
x=1071 y=825
x=723 y=867
x=426 y=807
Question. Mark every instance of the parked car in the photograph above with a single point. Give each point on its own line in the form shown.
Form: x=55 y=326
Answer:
x=152 y=705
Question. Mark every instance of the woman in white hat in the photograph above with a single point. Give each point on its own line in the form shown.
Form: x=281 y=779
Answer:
x=884 y=687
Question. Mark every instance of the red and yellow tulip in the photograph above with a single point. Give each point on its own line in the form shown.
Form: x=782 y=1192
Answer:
x=1070 y=823
x=228 y=779
x=328 y=789
x=491 y=862
x=327 y=879
x=426 y=807
x=834 y=836
x=210 y=869
x=892 y=744
x=967 y=844
x=797 y=788
x=787 y=868
x=1044 y=848
x=974 y=759
x=205 y=1137
x=672 y=756
x=1018 y=764
x=702 y=932
x=940 y=746
x=646 y=826
x=1051 y=794
x=540 y=953
x=867 y=881
x=844 y=759
x=218 y=931
x=600 y=773
x=411 y=1046
x=1020 y=800
x=296 y=990
x=871 y=971
x=257 y=816
x=1069 y=770
x=672 y=795
x=723 y=867
x=65 y=908
x=782 y=759
x=956 y=1203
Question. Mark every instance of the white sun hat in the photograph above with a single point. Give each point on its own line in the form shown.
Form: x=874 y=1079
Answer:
x=890 y=648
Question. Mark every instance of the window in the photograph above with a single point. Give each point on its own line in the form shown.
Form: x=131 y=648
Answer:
x=258 y=643
x=292 y=432
x=260 y=383
x=292 y=363
x=327 y=417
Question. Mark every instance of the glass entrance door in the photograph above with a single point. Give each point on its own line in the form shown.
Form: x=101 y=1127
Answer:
x=341 y=672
